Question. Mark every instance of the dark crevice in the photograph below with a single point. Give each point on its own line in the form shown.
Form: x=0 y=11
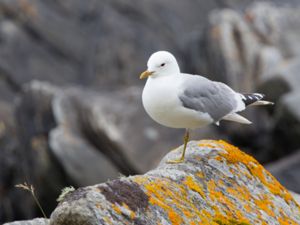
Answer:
x=237 y=37
x=99 y=139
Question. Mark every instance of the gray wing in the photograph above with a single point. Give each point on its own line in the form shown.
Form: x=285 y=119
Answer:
x=207 y=96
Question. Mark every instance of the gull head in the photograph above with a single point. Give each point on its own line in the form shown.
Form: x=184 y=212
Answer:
x=161 y=63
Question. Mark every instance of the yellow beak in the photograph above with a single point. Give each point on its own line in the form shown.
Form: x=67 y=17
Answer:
x=145 y=74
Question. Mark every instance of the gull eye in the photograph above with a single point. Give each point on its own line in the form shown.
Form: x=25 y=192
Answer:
x=162 y=64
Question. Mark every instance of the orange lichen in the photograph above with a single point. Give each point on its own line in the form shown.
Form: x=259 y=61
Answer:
x=172 y=197
x=229 y=207
x=247 y=208
x=160 y=195
x=175 y=218
x=200 y=174
x=206 y=217
x=284 y=219
x=132 y=213
x=116 y=209
x=283 y=222
x=222 y=219
x=193 y=185
x=266 y=205
x=241 y=193
x=234 y=156
x=225 y=203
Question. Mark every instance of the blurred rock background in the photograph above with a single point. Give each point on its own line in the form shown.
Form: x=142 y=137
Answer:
x=70 y=97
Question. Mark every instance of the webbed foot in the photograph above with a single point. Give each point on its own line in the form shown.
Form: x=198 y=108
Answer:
x=175 y=161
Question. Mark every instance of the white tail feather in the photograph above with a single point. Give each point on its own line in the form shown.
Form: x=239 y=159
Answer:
x=261 y=102
x=236 y=118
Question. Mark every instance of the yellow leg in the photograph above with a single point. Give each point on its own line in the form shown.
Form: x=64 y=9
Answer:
x=185 y=142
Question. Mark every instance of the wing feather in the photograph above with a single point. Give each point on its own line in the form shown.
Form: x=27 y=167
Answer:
x=203 y=95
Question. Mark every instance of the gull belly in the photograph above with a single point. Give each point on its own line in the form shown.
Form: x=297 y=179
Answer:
x=161 y=102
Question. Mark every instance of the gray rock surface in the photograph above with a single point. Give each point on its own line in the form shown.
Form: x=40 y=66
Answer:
x=281 y=79
x=287 y=128
x=296 y=196
x=97 y=44
x=239 y=48
x=286 y=170
x=217 y=183
x=37 y=221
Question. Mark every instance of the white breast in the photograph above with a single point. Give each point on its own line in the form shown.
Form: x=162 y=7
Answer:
x=161 y=102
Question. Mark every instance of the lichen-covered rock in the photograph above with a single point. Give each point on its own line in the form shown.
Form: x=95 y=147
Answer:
x=216 y=184
x=37 y=221
x=296 y=196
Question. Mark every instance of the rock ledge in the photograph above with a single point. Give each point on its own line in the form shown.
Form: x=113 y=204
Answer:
x=217 y=184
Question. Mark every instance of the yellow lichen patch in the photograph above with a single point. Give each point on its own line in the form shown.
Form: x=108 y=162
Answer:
x=247 y=208
x=228 y=206
x=131 y=213
x=187 y=213
x=107 y=220
x=193 y=185
x=226 y=203
x=222 y=219
x=266 y=205
x=233 y=155
x=200 y=174
x=211 y=185
x=173 y=198
x=283 y=222
x=116 y=208
x=174 y=218
x=206 y=217
x=284 y=219
x=241 y=193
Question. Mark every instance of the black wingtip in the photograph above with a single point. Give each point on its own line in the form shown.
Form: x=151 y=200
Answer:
x=249 y=99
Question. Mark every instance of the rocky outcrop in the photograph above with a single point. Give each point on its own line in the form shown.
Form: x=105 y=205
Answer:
x=216 y=184
x=244 y=49
x=37 y=221
x=287 y=171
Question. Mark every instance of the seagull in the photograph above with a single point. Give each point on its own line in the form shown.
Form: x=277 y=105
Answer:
x=180 y=100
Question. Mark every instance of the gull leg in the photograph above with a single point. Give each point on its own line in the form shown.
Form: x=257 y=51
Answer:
x=185 y=142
